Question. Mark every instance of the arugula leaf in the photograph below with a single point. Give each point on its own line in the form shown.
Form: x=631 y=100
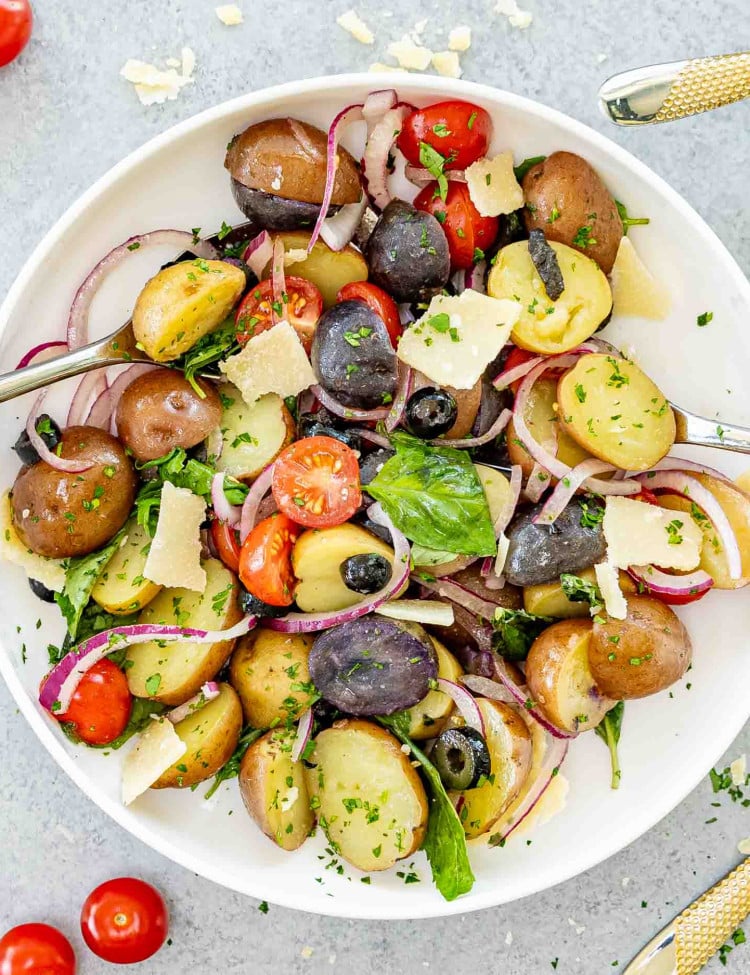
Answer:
x=423 y=556
x=80 y=578
x=216 y=345
x=627 y=221
x=522 y=168
x=578 y=590
x=609 y=732
x=232 y=768
x=515 y=631
x=444 y=842
x=434 y=163
x=434 y=496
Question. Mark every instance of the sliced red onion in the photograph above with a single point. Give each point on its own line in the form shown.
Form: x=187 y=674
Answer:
x=486 y=687
x=41 y=353
x=567 y=486
x=450 y=589
x=378 y=147
x=304 y=733
x=89 y=388
x=508 y=376
x=259 y=253
x=377 y=438
x=554 y=756
x=65 y=677
x=681 y=464
x=405 y=314
x=347 y=412
x=67 y=464
x=353 y=113
x=377 y=104
x=477 y=277
x=403 y=392
x=503 y=518
x=466 y=704
x=421 y=177
x=458 y=281
x=313 y=622
x=209 y=692
x=260 y=488
x=230 y=514
x=494 y=431
x=537 y=484
x=665 y=584
x=278 y=281
x=78 y=330
x=102 y=412
x=693 y=490
x=337 y=231
x=486 y=568
x=483 y=686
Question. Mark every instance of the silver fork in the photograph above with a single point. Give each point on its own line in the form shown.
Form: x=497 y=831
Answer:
x=702 y=432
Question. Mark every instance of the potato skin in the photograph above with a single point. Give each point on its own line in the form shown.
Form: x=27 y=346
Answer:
x=642 y=654
x=267 y=670
x=54 y=511
x=567 y=185
x=287 y=157
x=160 y=410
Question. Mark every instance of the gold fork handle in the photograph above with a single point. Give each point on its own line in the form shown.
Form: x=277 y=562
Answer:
x=665 y=92
x=703 y=927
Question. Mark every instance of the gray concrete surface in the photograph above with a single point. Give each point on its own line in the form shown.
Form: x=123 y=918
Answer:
x=65 y=117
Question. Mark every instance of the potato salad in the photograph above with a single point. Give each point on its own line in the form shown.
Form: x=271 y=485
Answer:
x=377 y=522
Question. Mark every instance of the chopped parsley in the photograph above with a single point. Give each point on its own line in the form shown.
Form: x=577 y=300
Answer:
x=580 y=393
x=673 y=531
x=434 y=163
x=628 y=221
x=704 y=318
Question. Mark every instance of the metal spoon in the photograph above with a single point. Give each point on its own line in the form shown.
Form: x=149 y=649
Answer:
x=665 y=92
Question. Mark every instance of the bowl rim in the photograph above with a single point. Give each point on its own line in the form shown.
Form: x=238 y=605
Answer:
x=446 y=88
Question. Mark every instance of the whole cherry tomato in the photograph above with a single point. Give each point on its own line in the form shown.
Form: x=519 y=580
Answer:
x=301 y=306
x=469 y=233
x=124 y=920
x=316 y=482
x=459 y=131
x=379 y=301
x=100 y=707
x=266 y=560
x=227 y=544
x=16 y=21
x=36 y=949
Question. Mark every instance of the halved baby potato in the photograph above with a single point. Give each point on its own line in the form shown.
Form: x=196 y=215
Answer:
x=121 y=589
x=428 y=717
x=173 y=672
x=546 y=326
x=182 y=303
x=211 y=735
x=548 y=598
x=616 y=412
x=370 y=800
x=316 y=561
x=269 y=671
x=560 y=680
x=544 y=426
x=509 y=744
x=328 y=270
x=274 y=790
x=252 y=436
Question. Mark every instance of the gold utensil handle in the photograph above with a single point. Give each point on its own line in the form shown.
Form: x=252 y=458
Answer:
x=706 y=83
x=703 y=927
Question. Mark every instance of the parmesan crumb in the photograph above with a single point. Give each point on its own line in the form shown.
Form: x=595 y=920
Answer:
x=152 y=85
x=377 y=67
x=744 y=847
x=516 y=17
x=738 y=770
x=354 y=25
x=459 y=38
x=230 y=14
x=446 y=63
x=188 y=62
x=509 y=938
x=601 y=58
x=306 y=952
x=409 y=55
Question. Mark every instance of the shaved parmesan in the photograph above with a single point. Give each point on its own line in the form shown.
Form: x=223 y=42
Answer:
x=516 y=17
x=446 y=63
x=377 y=67
x=428 y=611
x=188 y=62
x=295 y=255
x=273 y=361
x=156 y=749
x=634 y=290
x=49 y=572
x=744 y=847
x=174 y=558
x=493 y=186
x=410 y=55
x=353 y=23
x=152 y=85
x=229 y=14
x=552 y=801
x=457 y=337
x=608 y=580
x=738 y=770
x=459 y=38
x=642 y=534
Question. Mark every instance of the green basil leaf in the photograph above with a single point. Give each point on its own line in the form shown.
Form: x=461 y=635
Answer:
x=80 y=578
x=609 y=731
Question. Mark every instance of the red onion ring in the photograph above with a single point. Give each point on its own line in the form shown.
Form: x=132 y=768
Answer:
x=482 y=685
x=209 y=692
x=665 y=584
x=352 y=113
x=278 y=282
x=249 y=514
x=403 y=392
x=693 y=490
x=67 y=464
x=314 y=622
x=567 y=486
x=304 y=732
x=509 y=376
x=537 y=483
x=681 y=464
x=378 y=439
x=476 y=279
x=382 y=137
x=466 y=704
x=554 y=756
x=494 y=431
x=230 y=514
x=103 y=409
x=422 y=177
x=258 y=253
x=41 y=353
x=90 y=388
x=337 y=231
x=347 y=412
x=377 y=103
x=65 y=677
x=503 y=519
x=456 y=593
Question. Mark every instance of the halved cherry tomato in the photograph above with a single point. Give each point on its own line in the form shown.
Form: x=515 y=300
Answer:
x=379 y=301
x=648 y=496
x=266 y=560
x=227 y=544
x=16 y=21
x=124 y=921
x=459 y=131
x=36 y=949
x=466 y=229
x=100 y=707
x=316 y=482
x=302 y=306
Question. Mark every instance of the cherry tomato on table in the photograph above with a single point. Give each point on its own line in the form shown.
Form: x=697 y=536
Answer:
x=266 y=560
x=378 y=301
x=15 y=28
x=227 y=544
x=36 y=949
x=124 y=920
x=100 y=707
x=302 y=306
x=316 y=482
x=459 y=131
x=468 y=232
